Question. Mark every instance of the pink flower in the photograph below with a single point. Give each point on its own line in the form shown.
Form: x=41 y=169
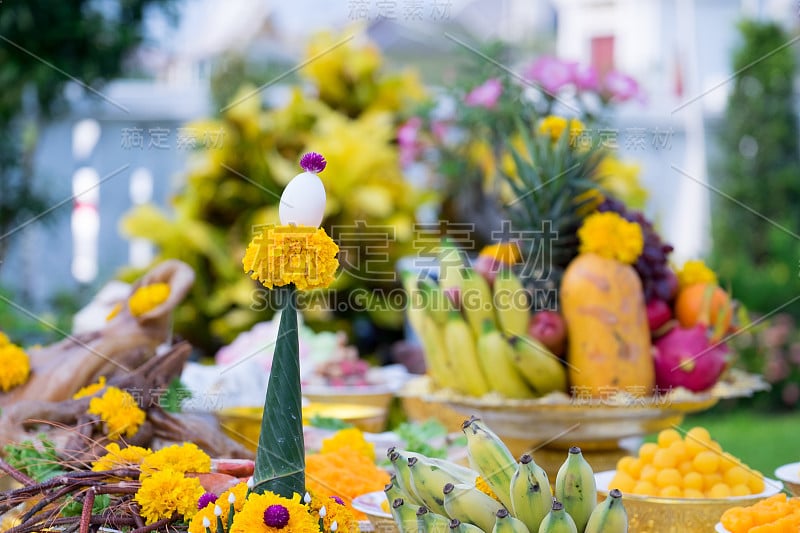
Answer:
x=441 y=130
x=485 y=94
x=550 y=73
x=408 y=140
x=585 y=77
x=790 y=394
x=619 y=87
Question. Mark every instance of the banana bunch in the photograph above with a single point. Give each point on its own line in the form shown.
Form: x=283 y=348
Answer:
x=429 y=495
x=475 y=335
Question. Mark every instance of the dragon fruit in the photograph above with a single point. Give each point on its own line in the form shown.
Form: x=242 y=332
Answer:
x=658 y=314
x=686 y=357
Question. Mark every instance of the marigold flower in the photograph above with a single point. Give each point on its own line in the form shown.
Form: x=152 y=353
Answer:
x=168 y=492
x=147 y=298
x=117 y=457
x=14 y=366
x=254 y=518
x=554 y=126
x=609 y=235
x=695 y=271
x=119 y=412
x=351 y=438
x=239 y=491
x=90 y=390
x=186 y=457
x=336 y=510
x=302 y=255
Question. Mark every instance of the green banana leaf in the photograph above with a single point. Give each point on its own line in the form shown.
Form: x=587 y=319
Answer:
x=280 y=458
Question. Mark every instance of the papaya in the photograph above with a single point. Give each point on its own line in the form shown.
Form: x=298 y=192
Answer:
x=609 y=339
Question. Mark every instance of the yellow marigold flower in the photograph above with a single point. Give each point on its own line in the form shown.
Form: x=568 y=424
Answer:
x=119 y=412
x=114 y=311
x=120 y=458
x=270 y=513
x=506 y=252
x=609 y=235
x=695 y=271
x=168 y=492
x=147 y=298
x=14 y=366
x=621 y=179
x=554 y=126
x=302 y=255
x=91 y=390
x=186 y=457
x=239 y=492
x=336 y=510
x=351 y=438
x=484 y=487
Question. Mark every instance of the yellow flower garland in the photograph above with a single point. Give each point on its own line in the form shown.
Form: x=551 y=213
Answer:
x=117 y=457
x=119 y=412
x=147 y=298
x=609 y=235
x=186 y=457
x=166 y=493
x=15 y=368
x=90 y=390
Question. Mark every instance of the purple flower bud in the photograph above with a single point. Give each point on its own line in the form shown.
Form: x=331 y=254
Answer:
x=313 y=162
x=205 y=499
x=276 y=516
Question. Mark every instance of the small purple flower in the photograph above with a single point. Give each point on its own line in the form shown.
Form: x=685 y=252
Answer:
x=205 y=499
x=337 y=500
x=550 y=73
x=585 y=77
x=276 y=516
x=619 y=87
x=313 y=162
x=485 y=95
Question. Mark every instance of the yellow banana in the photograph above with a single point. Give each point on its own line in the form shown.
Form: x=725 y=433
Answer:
x=511 y=303
x=436 y=304
x=531 y=497
x=576 y=487
x=505 y=523
x=490 y=457
x=540 y=367
x=460 y=345
x=558 y=521
x=429 y=479
x=429 y=522
x=496 y=357
x=414 y=308
x=435 y=352
x=457 y=526
x=609 y=516
x=405 y=515
x=402 y=478
x=468 y=504
x=451 y=265
x=476 y=300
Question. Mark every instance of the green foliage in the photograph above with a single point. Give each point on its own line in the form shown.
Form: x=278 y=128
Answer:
x=74 y=508
x=756 y=248
x=418 y=437
x=36 y=460
x=174 y=396
x=324 y=422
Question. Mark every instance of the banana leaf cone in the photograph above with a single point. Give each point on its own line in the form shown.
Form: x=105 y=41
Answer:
x=280 y=458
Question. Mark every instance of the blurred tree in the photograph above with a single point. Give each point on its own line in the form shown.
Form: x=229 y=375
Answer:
x=756 y=247
x=43 y=46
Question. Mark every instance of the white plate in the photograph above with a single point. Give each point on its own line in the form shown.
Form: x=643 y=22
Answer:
x=370 y=504
x=789 y=473
x=719 y=528
x=771 y=488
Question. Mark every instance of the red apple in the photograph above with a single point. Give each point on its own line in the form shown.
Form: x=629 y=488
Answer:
x=549 y=328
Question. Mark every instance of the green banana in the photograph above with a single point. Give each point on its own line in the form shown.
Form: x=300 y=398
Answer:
x=405 y=515
x=468 y=504
x=558 y=521
x=393 y=491
x=511 y=303
x=476 y=300
x=429 y=522
x=451 y=265
x=497 y=361
x=435 y=352
x=436 y=304
x=457 y=526
x=429 y=480
x=460 y=345
x=402 y=478
x=609 y=516
x=540 y=367
x=490 y=457
x=576 y=487
x=505 y=523
x=531 y=497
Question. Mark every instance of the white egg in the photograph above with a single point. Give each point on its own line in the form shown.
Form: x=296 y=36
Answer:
x=303 y=201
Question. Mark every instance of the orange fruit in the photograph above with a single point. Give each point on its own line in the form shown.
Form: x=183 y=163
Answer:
x=704 y=303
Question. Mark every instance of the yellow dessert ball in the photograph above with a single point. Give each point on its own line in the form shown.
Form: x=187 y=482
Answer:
x=623 y=481
x=635 y=468
x=679 y=450
x=664 y=459
x=697 y=440
x=685 y=467
x=709 y=480
x=720 y=490
x=648 y=473
x=755 y=482
x=706 y=462
x=624 y=464
x=667 y=437
x=670 y=491
x=736 y=475
x=693 y=493
x=740 y=490
x=647 y=451
x=669 y=476
x=693 y=480
x=728 y=461
x=644 y=488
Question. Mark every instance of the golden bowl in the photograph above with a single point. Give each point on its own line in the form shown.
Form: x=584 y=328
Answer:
x=370 y=505
x=790 y=475
x=243 y=424
x=380 y=396
x=652 y=514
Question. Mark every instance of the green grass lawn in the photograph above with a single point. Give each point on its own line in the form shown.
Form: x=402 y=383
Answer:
x=762 y=440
